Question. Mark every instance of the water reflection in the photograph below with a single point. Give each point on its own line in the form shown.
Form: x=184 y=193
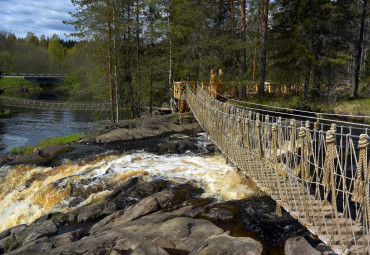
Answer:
x=29 y=126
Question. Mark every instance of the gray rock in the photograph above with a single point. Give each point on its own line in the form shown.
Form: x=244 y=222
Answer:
x=224 y=245
x=33 y=158
x=158 y=201
x=17 y=230
x=219 y=214
x=178 y=146
x=4 y=234
x=149 y=248
x=7 y=242
x=95 y=210
x=52 y=150
x=46 y=228
x=147 y=127
x=67 y=238
x=4 y=159
x=36 y=247
x=299 y=245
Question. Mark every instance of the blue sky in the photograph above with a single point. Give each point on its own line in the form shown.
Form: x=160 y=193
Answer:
x=38 y=16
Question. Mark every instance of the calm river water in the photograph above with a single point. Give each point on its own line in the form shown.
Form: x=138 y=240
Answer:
x=29 y=126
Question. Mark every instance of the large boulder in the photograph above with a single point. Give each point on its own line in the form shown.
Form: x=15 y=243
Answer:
x=299 y=245
x=95 y=210
x=147 y=127
x=50 y=151
x=227 y=245
x=33 y=158
x=4 y=159
x=36 y=231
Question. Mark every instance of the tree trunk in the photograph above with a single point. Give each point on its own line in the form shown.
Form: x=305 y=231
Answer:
x=170 y=85
x=307 y=83
x=110 y=63
x=232 y=17
x=138 y=106
x=261 y=89
x=356 y=74
x=243 y=54
x=255 y=49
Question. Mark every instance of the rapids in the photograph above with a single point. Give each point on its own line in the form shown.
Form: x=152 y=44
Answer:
x=28 y=192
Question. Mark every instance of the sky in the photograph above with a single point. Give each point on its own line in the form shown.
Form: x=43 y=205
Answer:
x=42 y=17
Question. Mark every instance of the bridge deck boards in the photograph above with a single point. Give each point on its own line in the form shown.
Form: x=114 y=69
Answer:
x=321 y=214
x=280 y=181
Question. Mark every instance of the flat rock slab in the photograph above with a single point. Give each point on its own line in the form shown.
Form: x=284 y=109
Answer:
x=52 y=150
x=299 y=245
x=227 y=245
x=147 y=127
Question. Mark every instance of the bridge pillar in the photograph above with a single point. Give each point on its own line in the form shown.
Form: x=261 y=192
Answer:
x=35 y=81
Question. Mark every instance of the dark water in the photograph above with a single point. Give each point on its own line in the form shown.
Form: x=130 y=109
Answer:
x=29 y=126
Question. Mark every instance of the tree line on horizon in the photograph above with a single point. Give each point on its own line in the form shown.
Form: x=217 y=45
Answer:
x=33 y=54
x=131 y=52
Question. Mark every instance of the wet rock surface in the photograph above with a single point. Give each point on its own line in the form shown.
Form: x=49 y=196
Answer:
x=145 y=127
x=154 y=218
x=299 y=245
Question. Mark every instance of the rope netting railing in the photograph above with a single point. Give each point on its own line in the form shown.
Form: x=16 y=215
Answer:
x=318 y=173
x=54 y=105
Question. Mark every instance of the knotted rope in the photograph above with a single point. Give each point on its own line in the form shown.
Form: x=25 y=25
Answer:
x=305 y=173
x=309 y=139
x=331 y=154
x=258 y=134
x=292 y=135
x=247 y=130
x=358 y=190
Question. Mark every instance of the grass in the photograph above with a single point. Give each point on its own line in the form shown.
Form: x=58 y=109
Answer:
x=16 y=83
x=57 y=140
x=359 y=106
x=356 y=107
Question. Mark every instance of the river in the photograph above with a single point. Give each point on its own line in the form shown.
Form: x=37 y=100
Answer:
x=29 y=126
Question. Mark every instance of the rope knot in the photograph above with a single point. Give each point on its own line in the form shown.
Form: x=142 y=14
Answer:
x=364 y=141
x=307 y=124
x=274 y=127
x=292 y=122
x=302 y=132
x=258 y=123
x=238 y=120
x=330 y=137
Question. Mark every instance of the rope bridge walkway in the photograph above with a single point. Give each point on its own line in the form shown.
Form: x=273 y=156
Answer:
x=54 y=105
x=319 y=173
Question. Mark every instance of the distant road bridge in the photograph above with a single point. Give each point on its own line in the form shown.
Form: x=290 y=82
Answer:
x=54 y=105
x=37 y=78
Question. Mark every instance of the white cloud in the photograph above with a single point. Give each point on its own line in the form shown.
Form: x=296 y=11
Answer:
x=38 y=16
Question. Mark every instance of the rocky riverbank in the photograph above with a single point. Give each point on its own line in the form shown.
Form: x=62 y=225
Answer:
x=156 y=217
x=145 y=134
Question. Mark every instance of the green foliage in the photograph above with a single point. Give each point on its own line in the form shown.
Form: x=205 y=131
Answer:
x=15 y=83
x=57 y=140
x=60 y=140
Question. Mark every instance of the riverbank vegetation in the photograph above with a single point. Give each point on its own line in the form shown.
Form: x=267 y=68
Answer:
x=131 y=52
x=57 y=140
x=11 y=84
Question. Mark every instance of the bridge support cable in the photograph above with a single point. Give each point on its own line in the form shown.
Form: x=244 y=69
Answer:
x=54 y=105
x=314 y=174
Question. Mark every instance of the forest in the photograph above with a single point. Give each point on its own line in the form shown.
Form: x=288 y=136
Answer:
x=131 y=51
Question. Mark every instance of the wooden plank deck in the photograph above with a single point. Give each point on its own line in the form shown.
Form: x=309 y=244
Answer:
x=341 y=233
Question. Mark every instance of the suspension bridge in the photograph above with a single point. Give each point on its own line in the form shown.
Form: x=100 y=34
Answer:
x=317 y=171
x=54 y=105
